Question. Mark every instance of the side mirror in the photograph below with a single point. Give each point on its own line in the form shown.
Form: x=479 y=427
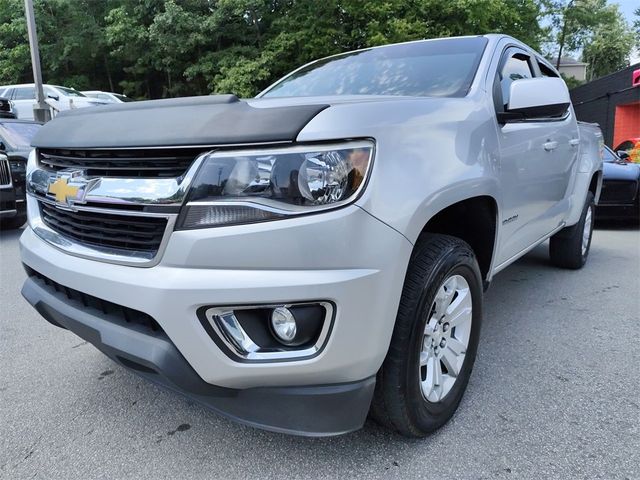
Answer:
x=531 y=98
x=3 y=147
x=624 y=155
x=53 y=97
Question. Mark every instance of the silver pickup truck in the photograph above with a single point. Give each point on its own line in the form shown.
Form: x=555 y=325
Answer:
x=319 y=253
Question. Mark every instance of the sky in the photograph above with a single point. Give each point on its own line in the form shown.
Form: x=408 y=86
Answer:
x=627 y=7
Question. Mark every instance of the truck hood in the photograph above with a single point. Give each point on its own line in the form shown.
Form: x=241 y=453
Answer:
x=191 y=121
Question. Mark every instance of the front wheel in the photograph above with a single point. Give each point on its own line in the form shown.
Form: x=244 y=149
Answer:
x=569 y=248
x=435 y=338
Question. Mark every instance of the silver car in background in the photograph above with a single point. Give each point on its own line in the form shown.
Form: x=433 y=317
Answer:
x=107 y=97
x=58 y=98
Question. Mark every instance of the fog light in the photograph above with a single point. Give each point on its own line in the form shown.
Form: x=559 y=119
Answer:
x=284 y=324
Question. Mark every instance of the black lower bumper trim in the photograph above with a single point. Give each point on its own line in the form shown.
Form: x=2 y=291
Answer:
x=618 y=212
x=322 y=410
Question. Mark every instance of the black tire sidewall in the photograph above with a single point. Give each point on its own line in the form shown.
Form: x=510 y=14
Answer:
x=427 y=415
x=588 y=204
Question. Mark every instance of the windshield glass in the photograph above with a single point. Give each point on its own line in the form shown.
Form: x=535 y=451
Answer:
x=609 y=156
x=18 y=135
x=122 y=98
x=436 y=68
x=70 y=92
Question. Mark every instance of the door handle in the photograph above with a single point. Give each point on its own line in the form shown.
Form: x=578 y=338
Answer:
x=548 y=146
x=574 y=142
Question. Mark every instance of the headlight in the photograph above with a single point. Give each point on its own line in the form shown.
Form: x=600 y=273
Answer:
x=234 y=187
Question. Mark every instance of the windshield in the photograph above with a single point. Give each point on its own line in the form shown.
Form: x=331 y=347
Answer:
x=609 y=156
x=18 y=135
x=436 y=68
x=122 y=98
x=70 y=92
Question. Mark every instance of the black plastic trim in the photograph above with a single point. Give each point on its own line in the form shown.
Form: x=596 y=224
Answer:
x=189 y=121
x=316 y=411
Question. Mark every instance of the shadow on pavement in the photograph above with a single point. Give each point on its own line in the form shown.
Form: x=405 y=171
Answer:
x=10 y=234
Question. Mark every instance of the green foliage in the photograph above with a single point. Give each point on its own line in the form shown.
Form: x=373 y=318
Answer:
x=571 y=82
x=165 y=48
x=594 y=27
x=636 y=27
x=609 y=48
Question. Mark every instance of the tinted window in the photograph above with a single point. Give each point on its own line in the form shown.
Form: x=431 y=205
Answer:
x=546 y=71
x=24 y=93
x=515 y=68
x=441 y=68
x=18 y=135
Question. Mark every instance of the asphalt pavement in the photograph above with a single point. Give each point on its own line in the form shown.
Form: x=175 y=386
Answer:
x=555 y=393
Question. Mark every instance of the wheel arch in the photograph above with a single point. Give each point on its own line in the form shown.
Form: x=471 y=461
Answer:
x=474 y=220
x=595 y=185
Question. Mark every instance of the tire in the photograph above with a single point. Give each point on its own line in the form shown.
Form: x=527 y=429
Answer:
x=569 y=248
x=399 y=402
x=13 y=223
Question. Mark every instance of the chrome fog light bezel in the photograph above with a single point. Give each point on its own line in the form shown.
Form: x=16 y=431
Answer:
x=225 y=330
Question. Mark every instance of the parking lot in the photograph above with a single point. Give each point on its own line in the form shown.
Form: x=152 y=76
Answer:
x=555 y=394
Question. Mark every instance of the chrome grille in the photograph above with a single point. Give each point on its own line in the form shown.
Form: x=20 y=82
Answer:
x=136 y=163
x=5 y=172
x=122 y=232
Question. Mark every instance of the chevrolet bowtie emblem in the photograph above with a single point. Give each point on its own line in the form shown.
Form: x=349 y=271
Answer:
x=70 y=187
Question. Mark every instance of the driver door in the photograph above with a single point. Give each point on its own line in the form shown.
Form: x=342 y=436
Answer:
x=535 y=164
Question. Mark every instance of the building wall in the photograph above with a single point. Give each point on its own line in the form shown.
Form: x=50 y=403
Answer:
x=598 y=102
x=626 y=123
x=579 y=72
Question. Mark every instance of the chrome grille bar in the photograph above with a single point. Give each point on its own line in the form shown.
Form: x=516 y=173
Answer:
x=5 y=172
x=163 y=163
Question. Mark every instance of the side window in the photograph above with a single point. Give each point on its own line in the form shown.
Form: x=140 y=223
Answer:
x=24 y=93
x=546 y=71
x=515 y=68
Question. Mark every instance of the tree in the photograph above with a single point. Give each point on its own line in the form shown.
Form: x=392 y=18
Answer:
x=610 y=48
x=636 y=26
x=165 y=48
x=574 y=22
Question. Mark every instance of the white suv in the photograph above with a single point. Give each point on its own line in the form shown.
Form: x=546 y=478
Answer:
x=59 y=98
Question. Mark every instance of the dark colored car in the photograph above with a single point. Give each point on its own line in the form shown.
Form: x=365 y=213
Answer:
x=630 y=149
x=6 y=108
x=15 y=144
x=620 y=199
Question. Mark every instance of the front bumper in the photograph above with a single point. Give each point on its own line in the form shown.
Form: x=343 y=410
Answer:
x=346 y=257
x=606 y=211
x=311 y=410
